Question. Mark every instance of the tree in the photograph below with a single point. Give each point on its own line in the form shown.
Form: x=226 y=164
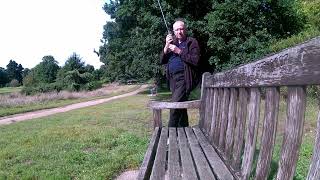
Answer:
x=3 y=77
x=229 y=32
x=240 y=31
x=74 y=62
x=46 y=70
x=14 y=71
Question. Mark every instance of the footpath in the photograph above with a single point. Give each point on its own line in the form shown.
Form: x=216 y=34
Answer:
x=47 y=112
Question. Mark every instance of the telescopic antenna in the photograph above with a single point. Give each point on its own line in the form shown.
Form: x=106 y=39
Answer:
x=164 y=19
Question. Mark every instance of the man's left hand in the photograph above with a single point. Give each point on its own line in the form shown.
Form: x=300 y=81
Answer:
x=175 y=49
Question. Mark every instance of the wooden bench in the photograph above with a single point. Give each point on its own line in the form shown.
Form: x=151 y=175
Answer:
x=224 y=143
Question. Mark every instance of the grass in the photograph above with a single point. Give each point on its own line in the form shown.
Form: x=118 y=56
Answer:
x=92 y=143
x=7 y=90
x=102 y=141
x=15 y=103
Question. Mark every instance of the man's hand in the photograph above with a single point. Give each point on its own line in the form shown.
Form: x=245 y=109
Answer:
x=169 y=40
x=175 y=49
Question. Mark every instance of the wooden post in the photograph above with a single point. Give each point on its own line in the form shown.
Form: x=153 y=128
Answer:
x=157 y=121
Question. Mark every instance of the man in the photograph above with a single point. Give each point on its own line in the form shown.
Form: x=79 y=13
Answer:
x=181 y=54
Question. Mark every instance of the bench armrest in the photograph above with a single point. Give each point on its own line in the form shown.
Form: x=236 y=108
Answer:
x=158 y=106
x=175 y=105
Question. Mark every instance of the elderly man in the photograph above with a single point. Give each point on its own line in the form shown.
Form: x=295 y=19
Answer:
x=181 y=54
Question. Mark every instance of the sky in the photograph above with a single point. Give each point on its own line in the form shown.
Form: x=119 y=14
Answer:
x=32 y=29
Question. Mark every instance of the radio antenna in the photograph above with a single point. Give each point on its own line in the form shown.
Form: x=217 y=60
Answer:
x=164 y=19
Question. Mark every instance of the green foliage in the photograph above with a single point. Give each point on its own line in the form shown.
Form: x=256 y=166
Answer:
x=240 y=31
x=46 y=71
x=74 y=62
x=3 y=77
x=14 y=83
x=229 y=32
x=14 y=71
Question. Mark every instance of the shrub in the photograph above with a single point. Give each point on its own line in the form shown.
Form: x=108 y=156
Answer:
x=14 y=83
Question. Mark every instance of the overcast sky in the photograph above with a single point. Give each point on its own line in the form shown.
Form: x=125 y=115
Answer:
x=31 y=29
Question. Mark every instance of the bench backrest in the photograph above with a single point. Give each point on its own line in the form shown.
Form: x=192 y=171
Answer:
x=231 y=103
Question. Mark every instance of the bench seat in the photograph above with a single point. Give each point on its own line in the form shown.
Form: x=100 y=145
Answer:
x=182 y=153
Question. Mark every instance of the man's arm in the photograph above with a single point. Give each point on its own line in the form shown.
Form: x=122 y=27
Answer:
x=191 y=54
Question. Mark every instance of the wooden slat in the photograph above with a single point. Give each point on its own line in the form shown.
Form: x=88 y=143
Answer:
x=240 y=126
x=214 y=114
x=314 y=173
x=231 y=123
x=298 y=65
x=219 y=168
x=204 y=96
x=146 y=166
x=268 y=132
x=224 y=118
x=188 y=168
x=175 y=105
x=293 y=132
x=208 y=111
x=202 y=166
x=251 y=134
x=218 y=118
x=159 y=167
x=173 y=155
x=157 y=119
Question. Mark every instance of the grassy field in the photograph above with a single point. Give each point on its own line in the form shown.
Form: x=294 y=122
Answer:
x=102 y=141
x=16 y=108
x=6 y=90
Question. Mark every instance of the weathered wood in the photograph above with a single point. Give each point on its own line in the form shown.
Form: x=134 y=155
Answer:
x=173 y=155
x=204 y=93
x=240 y=126
x=209 y=102
x=188 y=168
x=314 y=172
x=251 y=134
x=175 y=105
x=213 y=120
x=157 y=120
x=216 y=132
x=146 y=166
x=231 y=123
x=203 y=168
x=268 y=132
x=293 y=132
x=219 y=168
x=224 y=118
x=298 y=65
x=159 y=167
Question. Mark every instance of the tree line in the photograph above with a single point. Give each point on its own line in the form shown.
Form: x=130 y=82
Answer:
x=48 y=76
x=230 y=33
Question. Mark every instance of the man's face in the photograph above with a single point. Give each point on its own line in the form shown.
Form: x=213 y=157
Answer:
x=179 y=30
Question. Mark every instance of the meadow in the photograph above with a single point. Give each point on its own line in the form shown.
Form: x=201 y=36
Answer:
x=102 y=141
x=15 y=102
x=7 y=90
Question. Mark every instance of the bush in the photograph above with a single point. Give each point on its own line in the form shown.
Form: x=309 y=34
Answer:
x=14 y=83
x=92 y=85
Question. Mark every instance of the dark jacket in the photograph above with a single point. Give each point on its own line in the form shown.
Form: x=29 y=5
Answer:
x=191 y=57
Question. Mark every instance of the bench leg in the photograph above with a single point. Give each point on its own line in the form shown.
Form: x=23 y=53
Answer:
x=157 y=121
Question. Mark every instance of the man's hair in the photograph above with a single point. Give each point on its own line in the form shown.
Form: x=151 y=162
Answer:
x=181 y=19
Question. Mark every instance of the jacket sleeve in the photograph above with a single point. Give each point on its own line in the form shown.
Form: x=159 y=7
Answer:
x=191 y=54
x=164 y=58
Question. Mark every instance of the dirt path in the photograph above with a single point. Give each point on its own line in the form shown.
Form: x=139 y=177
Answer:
x=48 y=112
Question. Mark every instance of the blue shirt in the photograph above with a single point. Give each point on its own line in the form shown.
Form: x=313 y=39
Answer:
x=175 y=62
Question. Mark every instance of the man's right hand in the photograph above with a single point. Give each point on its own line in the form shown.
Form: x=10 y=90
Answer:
x=169 y=40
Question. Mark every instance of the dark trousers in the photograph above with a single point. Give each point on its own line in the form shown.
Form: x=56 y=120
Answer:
x=178 y=117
